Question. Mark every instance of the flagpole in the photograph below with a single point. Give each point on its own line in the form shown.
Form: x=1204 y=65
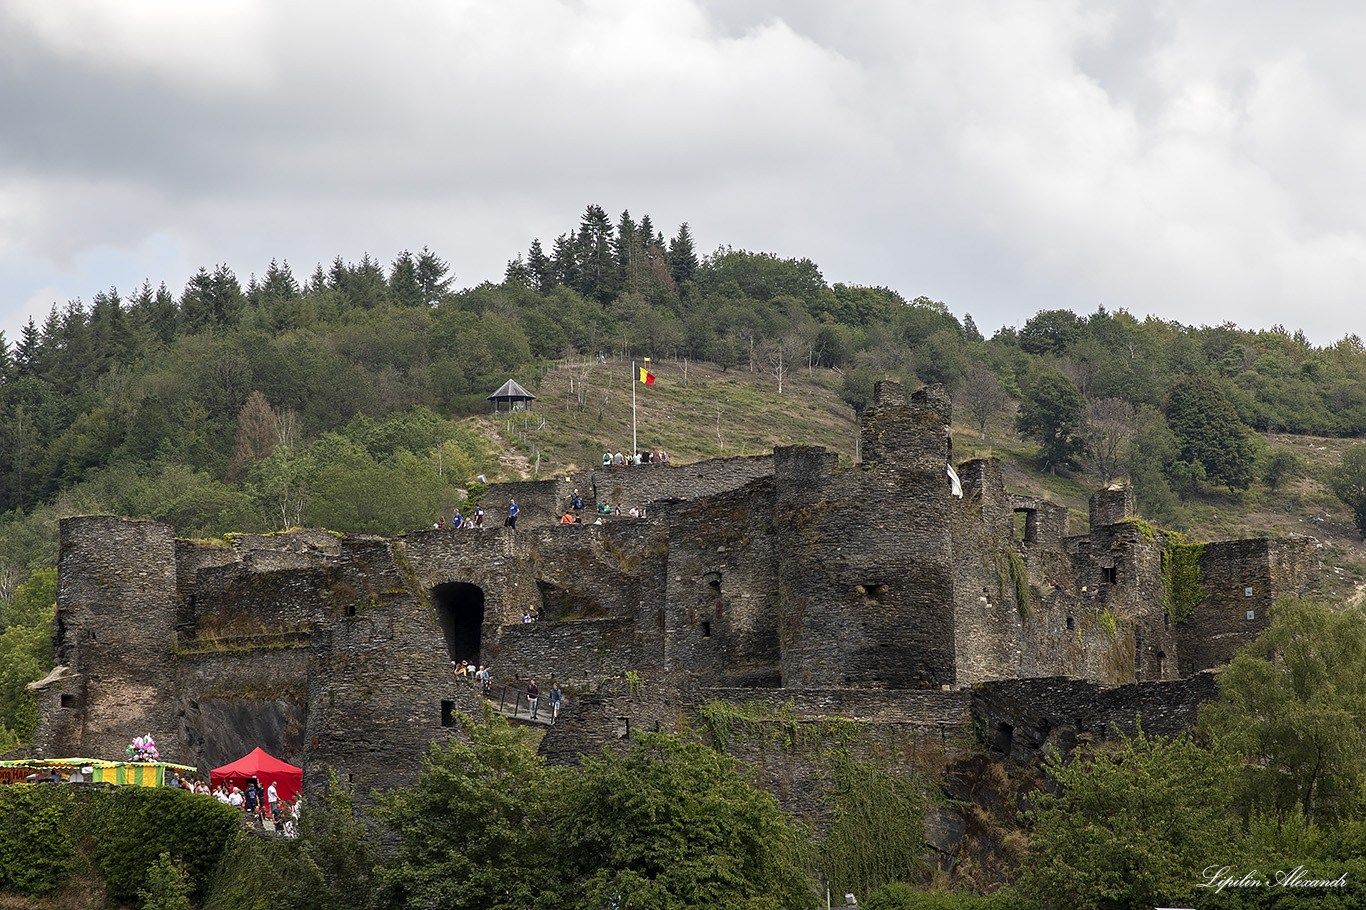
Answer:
x=633 y=409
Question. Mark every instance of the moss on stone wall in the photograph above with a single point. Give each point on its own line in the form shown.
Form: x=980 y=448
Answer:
x=1148 y=531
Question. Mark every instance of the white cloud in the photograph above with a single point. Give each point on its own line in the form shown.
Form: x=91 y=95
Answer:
x=1197 y=161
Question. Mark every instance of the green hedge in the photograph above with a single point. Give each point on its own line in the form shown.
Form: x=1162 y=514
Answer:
x=135 y=825
x=45 y=828
x=37 y=851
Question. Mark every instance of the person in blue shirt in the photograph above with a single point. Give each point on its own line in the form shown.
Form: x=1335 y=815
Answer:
x=512 y=514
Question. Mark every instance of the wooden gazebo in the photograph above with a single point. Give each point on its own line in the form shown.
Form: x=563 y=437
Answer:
x=517 y=398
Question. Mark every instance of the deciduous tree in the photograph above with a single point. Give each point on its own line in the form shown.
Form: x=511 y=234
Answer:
x=1051 y=414
x=1133 y=825
x=1293 y=704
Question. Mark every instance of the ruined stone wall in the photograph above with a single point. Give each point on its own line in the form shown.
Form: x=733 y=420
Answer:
x=378 y=678
x=1021 y=716
x=1112 y=505
x=1240 y=579
x=115 y=627
x=912 y=434
x=868 y=594
x=239 y=599
x=721 y=602
x=987 y=618
x=637 y=485
x=231 y=699
x=539 y=502
x=864 y=570
x=190 y=557
x=1117 y=588
x=789 y=755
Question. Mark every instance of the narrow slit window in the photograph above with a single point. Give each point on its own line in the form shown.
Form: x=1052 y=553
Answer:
x=706 y=629
x=447 y=713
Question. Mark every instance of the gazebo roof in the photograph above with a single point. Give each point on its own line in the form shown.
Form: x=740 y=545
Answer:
x=511 y=391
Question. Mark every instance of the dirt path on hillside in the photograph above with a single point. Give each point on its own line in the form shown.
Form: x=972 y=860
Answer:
x=510 y=458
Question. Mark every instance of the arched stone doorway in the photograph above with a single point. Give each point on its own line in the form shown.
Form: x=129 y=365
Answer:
x=460 y=612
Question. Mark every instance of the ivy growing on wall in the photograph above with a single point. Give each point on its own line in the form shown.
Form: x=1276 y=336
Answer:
x=1019 y=578
x=1181 y=576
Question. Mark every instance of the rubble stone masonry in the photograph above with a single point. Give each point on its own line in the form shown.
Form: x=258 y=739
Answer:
x=870 y=594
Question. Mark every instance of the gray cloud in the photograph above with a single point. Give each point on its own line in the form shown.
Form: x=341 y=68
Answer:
x=1195 y=161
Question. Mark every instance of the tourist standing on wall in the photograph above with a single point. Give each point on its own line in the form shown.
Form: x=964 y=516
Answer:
x=512 y=514
x=555 y=698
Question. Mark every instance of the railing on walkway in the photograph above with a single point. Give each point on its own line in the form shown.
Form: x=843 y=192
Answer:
x=511 y=701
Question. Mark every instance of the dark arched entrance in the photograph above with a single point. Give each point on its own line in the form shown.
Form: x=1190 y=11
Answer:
x=460 y=611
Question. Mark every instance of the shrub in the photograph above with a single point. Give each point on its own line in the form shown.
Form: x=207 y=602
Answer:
x=36 y=849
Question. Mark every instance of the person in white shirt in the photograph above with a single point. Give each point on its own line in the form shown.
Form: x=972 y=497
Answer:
x=273 y=797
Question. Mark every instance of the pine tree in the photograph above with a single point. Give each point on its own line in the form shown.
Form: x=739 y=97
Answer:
x=542 y=269
x=565 y=262
x=339 y=278
x=318 y=281
x=164 y=316
x=228 y=300
x=279 y=283
x=593 y=245
x=629 y=256
x=682 y=256
x=517 y=273
x=433 y=277
x=368 y=288
x=404 y=287
x=26 y=351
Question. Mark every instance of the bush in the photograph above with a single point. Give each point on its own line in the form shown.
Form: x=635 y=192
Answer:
x=36 y=849
x=168 y=886
x=135 y=825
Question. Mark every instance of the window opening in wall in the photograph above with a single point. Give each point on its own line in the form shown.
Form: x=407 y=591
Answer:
x=1161 y=664
x=460 y=614
x=873 y=591
x=68 y=700
x=714 y=584
x=623 y=727
x=350 y=609
x=1071 y=624
x=1023 y=525
x=706 y=629
x=447 y=713
x=1111 y=575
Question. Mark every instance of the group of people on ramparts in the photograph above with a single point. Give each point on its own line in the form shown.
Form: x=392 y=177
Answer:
x=654 y=456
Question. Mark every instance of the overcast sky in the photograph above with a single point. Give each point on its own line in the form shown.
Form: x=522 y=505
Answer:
x=1199 y=161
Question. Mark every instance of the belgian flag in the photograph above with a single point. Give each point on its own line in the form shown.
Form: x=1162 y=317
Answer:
x=646 y=376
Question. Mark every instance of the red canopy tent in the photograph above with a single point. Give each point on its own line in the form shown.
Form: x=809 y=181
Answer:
x=288 y=779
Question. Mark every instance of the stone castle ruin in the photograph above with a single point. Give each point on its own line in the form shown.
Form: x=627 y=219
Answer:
x=871 y=593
